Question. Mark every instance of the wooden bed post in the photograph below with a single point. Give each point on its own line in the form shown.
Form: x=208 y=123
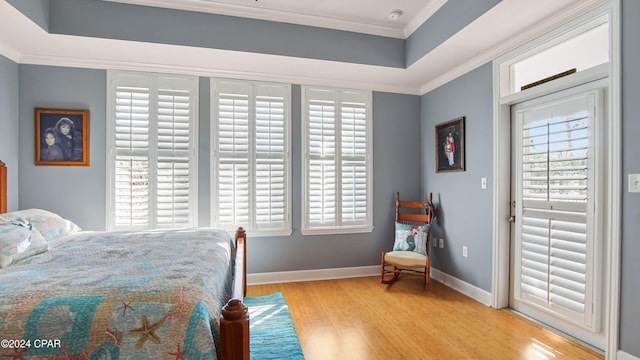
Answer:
x=241 y=246
x=3 y=187
x=234 y=324
x=234 y=331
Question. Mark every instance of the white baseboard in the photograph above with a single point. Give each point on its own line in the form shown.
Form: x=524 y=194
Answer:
x=312 y=275
x=471 y=291
x=621 y=355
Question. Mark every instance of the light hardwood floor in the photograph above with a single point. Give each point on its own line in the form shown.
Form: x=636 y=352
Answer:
x=363 y=319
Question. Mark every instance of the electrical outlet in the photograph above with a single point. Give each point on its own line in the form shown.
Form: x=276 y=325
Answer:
x=441 y=242
x=465 y=251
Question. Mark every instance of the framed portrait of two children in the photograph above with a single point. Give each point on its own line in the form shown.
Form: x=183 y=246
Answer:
x=61 y=137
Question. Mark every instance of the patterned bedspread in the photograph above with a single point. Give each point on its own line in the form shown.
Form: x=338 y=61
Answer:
x=117 y=295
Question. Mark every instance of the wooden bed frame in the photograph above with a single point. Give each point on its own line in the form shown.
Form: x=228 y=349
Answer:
x=234 y=324
x=3 y=187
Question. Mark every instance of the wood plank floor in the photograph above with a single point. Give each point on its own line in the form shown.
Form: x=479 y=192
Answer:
x=363 y=319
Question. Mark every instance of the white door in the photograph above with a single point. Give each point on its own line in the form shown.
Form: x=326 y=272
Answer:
x=556 y=256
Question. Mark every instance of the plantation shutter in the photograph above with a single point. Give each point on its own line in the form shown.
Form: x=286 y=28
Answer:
x=336 y=142
x=322 y=169
x=152 y=138
x=174 y=141
x=131 y=157
x=556 y=237
x=233 y=160
x=251 y=128
x=354 y=162
x=271 y=199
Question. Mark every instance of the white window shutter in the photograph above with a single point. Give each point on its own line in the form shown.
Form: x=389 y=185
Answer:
x=321 y=150
x=337 y=161
x=251 y=159
x=173 y=169
x=270 y=171
x=232 y=160
x=152 y=137
x=131 y=127
x=354 y=163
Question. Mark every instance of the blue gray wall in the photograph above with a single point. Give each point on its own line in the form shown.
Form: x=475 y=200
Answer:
x=156 y=25
x=78 y=193
x=75 y=192
x=9 y=127
x=630 y=291
x=464 y=210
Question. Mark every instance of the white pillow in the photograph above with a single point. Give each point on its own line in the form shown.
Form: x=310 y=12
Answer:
x=50 y=225
x=19 y=240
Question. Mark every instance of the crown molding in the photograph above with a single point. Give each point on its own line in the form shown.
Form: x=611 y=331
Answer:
x=107 y=64
x=9 y=52
x=422 y=17
x=245 y=11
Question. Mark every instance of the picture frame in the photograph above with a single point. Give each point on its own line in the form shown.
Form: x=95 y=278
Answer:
x=450 y=146
x=61 y=137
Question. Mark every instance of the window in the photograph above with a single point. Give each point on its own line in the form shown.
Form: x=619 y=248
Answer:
x=337 y=158
x=584 y=47
x=251 y=157
x=151 y=141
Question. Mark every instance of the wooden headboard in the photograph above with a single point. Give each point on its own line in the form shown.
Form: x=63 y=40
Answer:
x=3 y=187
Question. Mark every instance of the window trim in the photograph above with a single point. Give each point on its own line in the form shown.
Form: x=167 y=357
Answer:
x=287 y=230
x=305 y=228
x=112 y=76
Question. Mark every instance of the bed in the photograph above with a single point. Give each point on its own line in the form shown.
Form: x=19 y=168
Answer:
x=70 y=294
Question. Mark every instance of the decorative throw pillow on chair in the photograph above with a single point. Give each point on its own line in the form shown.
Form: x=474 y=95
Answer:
x=411 y=238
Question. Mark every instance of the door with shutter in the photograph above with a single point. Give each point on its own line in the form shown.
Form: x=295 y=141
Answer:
x=556 y=263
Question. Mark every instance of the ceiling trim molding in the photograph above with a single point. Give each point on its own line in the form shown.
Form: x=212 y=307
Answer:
x=244 y=11
x=522 y=38
x=422 y=17
x=102 y=64
x=9 y=52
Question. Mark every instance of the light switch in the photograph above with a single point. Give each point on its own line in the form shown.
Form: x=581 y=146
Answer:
x=483 y=183
x=634 y=183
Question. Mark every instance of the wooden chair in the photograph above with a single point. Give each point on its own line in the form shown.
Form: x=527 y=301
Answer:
x=414 y=219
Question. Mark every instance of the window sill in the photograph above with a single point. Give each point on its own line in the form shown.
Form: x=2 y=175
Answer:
x=262 y=233
x=337 y=231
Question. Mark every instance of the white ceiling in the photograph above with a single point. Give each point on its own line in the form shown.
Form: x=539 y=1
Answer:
x=507 y=25
x=366 y=16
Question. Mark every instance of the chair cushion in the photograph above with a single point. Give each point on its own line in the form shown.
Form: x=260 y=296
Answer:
x=411 y=238
x=410 y=259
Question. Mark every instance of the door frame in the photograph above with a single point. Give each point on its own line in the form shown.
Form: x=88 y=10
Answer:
x=613 y=164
